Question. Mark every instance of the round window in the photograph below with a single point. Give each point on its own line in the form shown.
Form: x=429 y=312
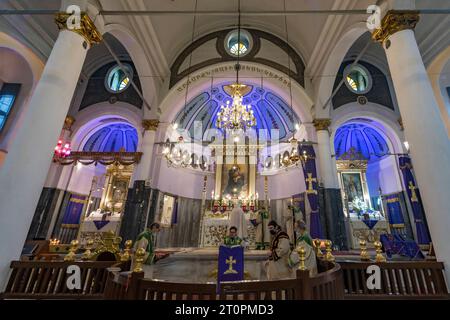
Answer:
x=117 y=80
x=357 y=79
x=238 y=45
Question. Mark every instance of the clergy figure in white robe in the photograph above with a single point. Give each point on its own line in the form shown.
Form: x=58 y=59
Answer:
x=277 y=267
x=237 y=219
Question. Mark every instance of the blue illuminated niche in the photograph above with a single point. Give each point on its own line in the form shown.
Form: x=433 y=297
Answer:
x=363 y=138
x=271 y=111
x=112 y=138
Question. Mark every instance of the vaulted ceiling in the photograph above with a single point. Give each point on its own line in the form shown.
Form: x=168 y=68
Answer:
x=163 y=37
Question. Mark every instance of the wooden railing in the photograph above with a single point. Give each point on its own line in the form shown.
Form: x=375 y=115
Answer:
x=48 y=280
x=326 y=285
x=398 y=280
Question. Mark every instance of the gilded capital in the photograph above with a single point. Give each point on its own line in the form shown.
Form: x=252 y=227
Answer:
x=395 y=21
x=150 y=124
x=400 y=123
x=68 y=122
x=87 y=28
x=322 y=124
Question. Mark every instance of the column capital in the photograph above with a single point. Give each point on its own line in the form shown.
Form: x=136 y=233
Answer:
x=400 y=123
x=150 y=124
x=68 y=122
x=395 y=21
x=321 y=124
x=87 y=28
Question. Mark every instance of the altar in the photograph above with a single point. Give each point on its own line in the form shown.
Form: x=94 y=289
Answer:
x=194 y=265
x=368 y=230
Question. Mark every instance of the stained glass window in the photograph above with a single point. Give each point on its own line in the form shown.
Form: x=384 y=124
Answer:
x=117 y=80
x=357 y=79
x=238 y=45
x=8 y=95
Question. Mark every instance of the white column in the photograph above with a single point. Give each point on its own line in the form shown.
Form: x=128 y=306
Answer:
x=143 y=169
x=424 y=130
x=27 y=163
x=327 y=165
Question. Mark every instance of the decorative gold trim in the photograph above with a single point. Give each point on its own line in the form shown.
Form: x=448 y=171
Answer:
x=352 y=159
x=395 y=21
x=322 y=124
x=400 y=123
x=150 y=124
x=87 y=29
x=68 y=122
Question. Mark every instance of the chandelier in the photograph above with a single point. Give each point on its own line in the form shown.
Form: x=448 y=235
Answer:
x=236 y=116
x=62 y=149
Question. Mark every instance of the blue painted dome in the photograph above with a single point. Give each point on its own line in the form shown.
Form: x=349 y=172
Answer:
x=112 y=138
x=363 y=138
x=271 y=112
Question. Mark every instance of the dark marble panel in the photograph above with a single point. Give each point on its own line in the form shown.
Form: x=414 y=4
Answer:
x=136 y=208
x=332 y=217
x=43 y=214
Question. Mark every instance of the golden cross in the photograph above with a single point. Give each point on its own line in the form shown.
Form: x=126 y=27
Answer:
x=310 y=181
x=413 y=188
x=230 y=261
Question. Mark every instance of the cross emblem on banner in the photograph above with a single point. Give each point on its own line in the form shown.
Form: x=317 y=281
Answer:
x=310 y=181
x=230 y=261
x=413 y=188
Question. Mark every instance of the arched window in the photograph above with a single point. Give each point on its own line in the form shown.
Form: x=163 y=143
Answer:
x=8 y=95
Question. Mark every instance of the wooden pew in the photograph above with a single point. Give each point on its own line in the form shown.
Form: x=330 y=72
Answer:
x=132 y=285
x=47 y=280
x=399 y=280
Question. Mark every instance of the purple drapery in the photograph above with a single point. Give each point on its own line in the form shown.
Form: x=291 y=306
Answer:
x=394 y=210
x=74 y=210
x=423 y=236
x=175 y=212
x=310 y=173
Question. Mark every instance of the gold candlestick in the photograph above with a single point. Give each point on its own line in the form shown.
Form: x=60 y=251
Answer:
x=317 y=243
x=302 y=254
x=379 y=256
x=328 y=256
x=140 y=253
x=363 y=255
x=126 y=252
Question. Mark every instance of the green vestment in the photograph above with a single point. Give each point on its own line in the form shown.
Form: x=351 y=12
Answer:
x=150 y=249
x=229 y=241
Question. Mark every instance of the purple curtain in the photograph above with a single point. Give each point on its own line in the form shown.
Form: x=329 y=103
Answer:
x=394 y=210
x=310 y=173
x=74 y=210
x=175 y=212
x=423 y=236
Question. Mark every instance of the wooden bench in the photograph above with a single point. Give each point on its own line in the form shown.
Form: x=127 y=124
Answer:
x=399 y=280
x=47 y=280
x=325 y=285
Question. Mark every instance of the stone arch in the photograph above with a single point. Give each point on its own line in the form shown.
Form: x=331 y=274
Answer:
x=325 y=83
x=139 y=58
x=434 y=72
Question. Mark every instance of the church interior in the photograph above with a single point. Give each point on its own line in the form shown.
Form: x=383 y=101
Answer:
x=171 y=121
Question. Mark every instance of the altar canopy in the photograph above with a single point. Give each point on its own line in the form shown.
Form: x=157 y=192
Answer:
x=423 y=236
x=310 y=174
